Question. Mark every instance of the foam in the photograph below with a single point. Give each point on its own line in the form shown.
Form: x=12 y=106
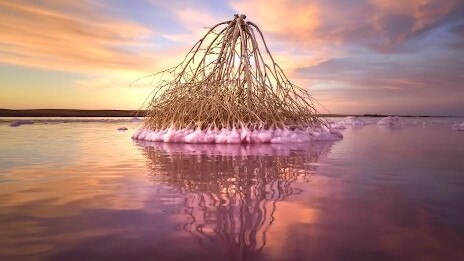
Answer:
x=236 y=136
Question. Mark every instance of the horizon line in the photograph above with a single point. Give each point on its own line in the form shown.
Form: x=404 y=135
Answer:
x=132 y=112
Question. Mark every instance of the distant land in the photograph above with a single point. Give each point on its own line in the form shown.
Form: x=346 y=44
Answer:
x=69 y=113
x=132 y=113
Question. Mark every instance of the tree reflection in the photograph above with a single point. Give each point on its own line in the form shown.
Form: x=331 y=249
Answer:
x=231 y=192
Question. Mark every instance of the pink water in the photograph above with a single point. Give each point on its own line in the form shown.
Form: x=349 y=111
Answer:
x=85 y=191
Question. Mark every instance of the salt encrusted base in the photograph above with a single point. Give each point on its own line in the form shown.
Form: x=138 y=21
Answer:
x=238 y=135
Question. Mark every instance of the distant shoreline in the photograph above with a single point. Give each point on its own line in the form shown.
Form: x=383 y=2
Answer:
x=69 y=113
x=133 y=113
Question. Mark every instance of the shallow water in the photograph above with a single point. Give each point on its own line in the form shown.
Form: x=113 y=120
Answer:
x=85 y=191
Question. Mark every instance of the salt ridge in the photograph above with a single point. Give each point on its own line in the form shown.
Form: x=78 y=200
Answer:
x=235 y=136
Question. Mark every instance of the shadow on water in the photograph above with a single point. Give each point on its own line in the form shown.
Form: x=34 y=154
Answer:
x=231 y=191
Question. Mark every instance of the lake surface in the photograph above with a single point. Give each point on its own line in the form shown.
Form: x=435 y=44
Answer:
x=85 y=191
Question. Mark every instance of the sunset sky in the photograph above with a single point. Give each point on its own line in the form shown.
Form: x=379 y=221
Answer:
x=354 y=56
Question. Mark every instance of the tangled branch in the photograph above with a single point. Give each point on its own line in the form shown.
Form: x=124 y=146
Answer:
x=227 y=81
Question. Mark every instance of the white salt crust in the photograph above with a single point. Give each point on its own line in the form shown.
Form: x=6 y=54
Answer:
x=16 y=123
x=20 y=122
x=391 y=121
x=337 y=126
x=231 y=136
x=351 y=120
x=458 y=127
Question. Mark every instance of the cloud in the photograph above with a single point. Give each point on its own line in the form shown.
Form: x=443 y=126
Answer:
x=358 y=55
x=69 y=36
x=389 y=73
x=291 y=19
x=364 y=56
x=381 y=25
x=390 y=84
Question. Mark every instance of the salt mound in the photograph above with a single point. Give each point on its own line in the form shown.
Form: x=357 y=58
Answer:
x=391 y=121
x=20 y=122
x=458 y=127
x=241 y=135
x=351 y=120
x=135 y=119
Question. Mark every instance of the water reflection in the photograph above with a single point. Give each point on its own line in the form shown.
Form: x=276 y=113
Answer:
x=230 y=194
x=80 y=192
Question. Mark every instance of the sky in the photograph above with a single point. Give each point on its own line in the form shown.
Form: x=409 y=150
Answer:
x=354 y=56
